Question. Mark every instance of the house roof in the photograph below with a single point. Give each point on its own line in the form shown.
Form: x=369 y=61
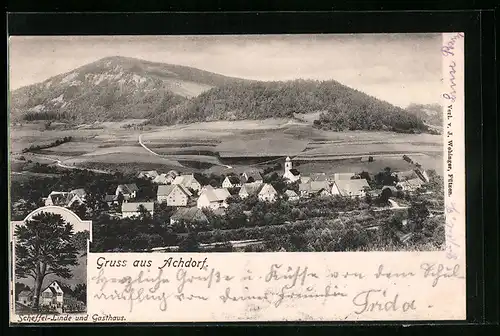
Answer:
x=80 y=192
x=128 y=188
x=165 y=190
x=255 y=175
x=151 y=173
x=65 y=288
x=294 y=172
x=60 y=197
x=406 y=175
x=343 y=176
x=110 y=198
x=251 y=188
x=416 y=182
x=351 y=187
x=233 y=179
x=190 y=214
x=216 y=195
x=317 y=186
x=25 y=293
x=207 y=187
x=161 y=179
x=304 y=187
x=185 y=180
x=291 y=193
x=391 y=188
x=318 y=177
x=267 y=188
x=305 y=179
x=132 y=187
x=132 y=206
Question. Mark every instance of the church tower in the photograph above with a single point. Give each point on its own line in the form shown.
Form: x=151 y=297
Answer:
x=288 y=164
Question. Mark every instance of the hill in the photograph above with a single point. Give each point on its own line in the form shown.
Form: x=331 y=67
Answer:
x=342 y=108
x=113 y=88
x=118 y=88
x=431 y=114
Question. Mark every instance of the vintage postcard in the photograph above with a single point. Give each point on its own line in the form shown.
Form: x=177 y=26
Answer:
x=234 y=178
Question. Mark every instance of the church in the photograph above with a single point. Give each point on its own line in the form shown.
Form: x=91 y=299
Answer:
x=291 y=174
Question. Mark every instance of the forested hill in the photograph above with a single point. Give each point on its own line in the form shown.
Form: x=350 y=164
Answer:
x=343 y=108
x=118 y=88
x=112 y=88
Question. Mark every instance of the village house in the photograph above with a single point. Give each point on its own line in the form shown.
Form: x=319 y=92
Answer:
x=188 y=181
x=173 y=195
x=77 y=195
x=422 y=174
x=64 y=198
x=319 y=188
x=406 y=175
x=162 y=179
x=129 y=191
x=58 y=297
x=350 y=188
x=150 y=174
x=111 y=200
x=391 y=191
x=292 y=195
x=231 y=181
x=410 y=185
x=267 y=193
x=213 y=198
x=291 y=174
x=207 y=187
x=319 y=177
x=249 y=189
x=57 y=198
x=167 y=178
x=251 y=177
x=342 y=176
x=131 y=209
x=25 y=297
x=305 y=179
x=191 y=215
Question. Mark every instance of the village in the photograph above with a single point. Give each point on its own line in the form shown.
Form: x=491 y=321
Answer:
x=193 y=202
x=190 y=197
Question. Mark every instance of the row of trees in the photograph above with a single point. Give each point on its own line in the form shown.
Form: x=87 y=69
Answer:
x=55 y=143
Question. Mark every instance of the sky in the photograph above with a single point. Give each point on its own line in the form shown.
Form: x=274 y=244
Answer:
x=398 y=68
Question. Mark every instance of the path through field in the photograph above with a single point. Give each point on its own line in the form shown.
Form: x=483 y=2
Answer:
x=60 y=164
x=156 y=154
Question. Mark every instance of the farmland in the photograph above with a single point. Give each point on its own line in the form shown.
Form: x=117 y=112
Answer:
x=207 y=146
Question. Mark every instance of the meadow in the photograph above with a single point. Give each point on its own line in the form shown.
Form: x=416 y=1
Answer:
x=213 y=144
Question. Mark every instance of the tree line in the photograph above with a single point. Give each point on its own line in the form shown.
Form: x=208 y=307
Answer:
x=55 y=143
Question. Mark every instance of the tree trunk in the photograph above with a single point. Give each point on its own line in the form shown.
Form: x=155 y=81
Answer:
x=38 y=289
x=40 y=275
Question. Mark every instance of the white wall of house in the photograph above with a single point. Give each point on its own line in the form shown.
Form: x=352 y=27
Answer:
x=204 y=202
x=335 y=190
x=290 y=177
x=268 y=194
x=176 y=198
x=227 y=184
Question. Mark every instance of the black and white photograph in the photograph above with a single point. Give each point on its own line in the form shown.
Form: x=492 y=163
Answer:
x=221 y=143
x=50 y=262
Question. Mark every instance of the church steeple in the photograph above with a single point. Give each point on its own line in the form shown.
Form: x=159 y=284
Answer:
x=288 y=164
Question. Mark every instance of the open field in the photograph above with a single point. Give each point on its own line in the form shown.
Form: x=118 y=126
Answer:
x=205 y=145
